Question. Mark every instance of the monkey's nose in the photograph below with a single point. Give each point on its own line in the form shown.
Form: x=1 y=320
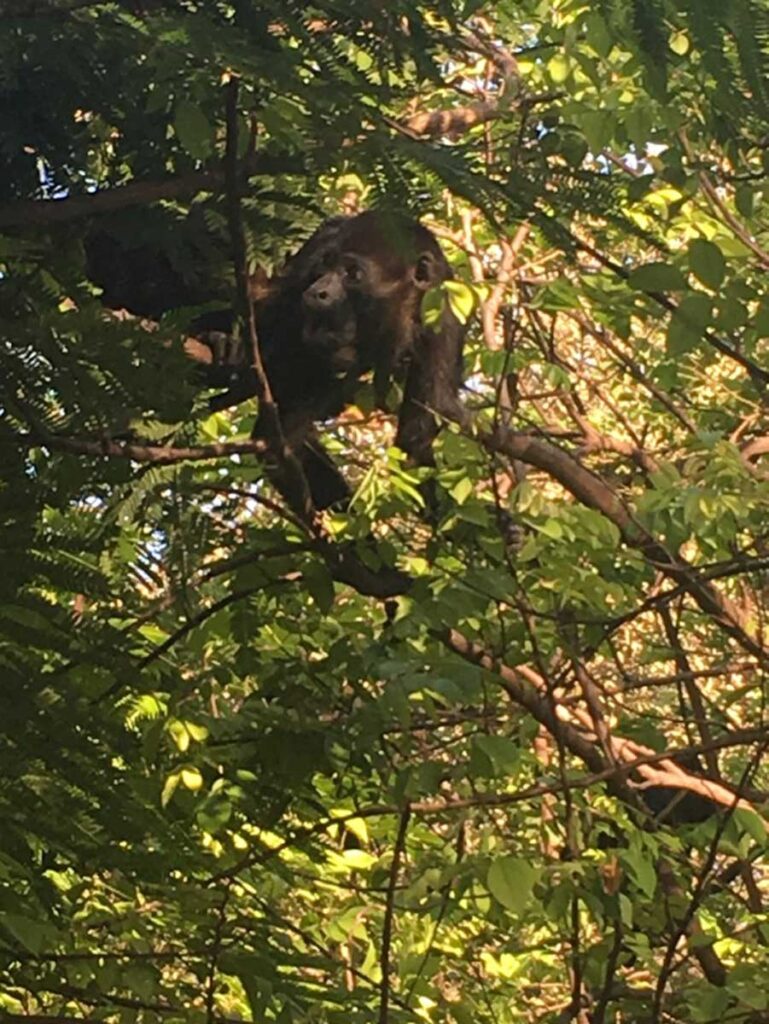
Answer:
x=318 y=297
x=323 y=294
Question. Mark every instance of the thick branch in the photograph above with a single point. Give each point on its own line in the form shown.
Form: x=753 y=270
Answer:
x=525 y=693
x=457 y=120
x=589 y=489
x=23 y=213
x=574 y=727
x=42 y=212
x=755 y=448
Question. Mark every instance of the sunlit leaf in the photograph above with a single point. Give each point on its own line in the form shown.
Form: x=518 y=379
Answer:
x=510 y=881
x=461 y=299
x=657 y=277
x=191 y=779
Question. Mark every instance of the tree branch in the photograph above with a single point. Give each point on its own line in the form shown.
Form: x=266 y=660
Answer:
x=23 y=213
x=158 y=455
x=286 y=473
x=574 y=727
x=591 y=490
x=387 y=927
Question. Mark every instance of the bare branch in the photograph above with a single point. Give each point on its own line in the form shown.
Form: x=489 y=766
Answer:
x=158 y=455
x=387 y=926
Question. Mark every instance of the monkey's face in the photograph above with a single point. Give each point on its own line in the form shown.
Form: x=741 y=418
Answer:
x=361 y=284
x=349 y=309
x=333 y=310
x=346 y=279
x=332 y=332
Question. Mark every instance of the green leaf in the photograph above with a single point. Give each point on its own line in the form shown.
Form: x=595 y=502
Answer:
x=598 y=34
x=193 y=130
x=558 y=68
x=510 y=881
x=696 y=310
x=169 y=788
x=503 y=753
x=358 y=860
x=687 y=325
x=744 y=200
x=639 y=125
x=732 y=314
x=752 y=823
x=707 y=262
x=320 y=584
x=552 y=528
x=198 y=732
x=141 y=979
x=461 y=298
x=657 y=277
x=214 y=813
x=359 y=828
x=25 y=617
x=256 y=974
x=679 y=43
x=761 y=321
x=558 y=295
x=641 y=866
x=458 y=450
x=598 y=128
x=28 y=933
x=432 y=307
x=462 y=490
x=179 y=734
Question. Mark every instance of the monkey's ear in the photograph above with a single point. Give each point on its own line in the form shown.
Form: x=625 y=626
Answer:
x=425 y=272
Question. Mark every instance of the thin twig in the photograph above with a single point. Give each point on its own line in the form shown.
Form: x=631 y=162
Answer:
x=688 y=918
x=192 y=623
x=216 y=948
x=287 y=473
x=387 y=927
x=23 y=213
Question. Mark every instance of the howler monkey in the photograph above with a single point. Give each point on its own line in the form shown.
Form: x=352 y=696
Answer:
x=346 y=304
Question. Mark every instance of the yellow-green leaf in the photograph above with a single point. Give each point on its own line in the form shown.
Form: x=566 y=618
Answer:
x=558 y=68
x=461 y=299
x=169 y=788
x=191 y=779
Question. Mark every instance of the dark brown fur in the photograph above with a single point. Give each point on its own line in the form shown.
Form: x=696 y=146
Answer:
x=346 y=304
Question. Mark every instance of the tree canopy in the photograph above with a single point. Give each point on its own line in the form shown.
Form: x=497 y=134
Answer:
x=496 y=760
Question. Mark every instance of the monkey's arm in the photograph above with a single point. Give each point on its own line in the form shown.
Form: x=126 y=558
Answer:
x=432 y=388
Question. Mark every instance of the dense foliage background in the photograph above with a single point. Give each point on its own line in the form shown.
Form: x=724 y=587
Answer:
x=235 y=783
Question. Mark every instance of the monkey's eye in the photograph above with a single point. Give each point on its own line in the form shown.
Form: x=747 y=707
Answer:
x=353 y=273
x=424 y=268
